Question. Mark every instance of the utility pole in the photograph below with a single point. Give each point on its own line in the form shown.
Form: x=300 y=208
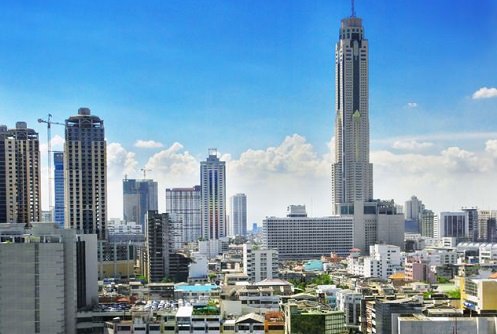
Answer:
x=49 y=123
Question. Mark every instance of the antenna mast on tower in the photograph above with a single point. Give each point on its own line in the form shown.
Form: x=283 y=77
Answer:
x=353 y=9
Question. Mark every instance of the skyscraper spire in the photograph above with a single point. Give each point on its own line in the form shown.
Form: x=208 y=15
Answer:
x=353 y=9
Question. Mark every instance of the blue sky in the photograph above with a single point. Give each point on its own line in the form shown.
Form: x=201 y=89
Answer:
x=243 y=75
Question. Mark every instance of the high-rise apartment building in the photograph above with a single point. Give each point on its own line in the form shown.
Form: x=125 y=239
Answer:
x=19 y=175
x=352 y=173
x=238 y=215
x=58 y=210
x=139 y=196
x=85 y=171
x=428 y=219
x=213 y=197
x=184 y=205
x=472 y=222
x=486 y=220
x=158 y=246
x=162 y=261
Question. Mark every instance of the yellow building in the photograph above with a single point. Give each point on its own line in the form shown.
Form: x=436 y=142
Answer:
x=480 y=295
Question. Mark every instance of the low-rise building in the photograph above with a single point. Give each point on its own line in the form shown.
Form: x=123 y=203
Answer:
x=480 y=295
x=383 y=261
x=349 y=302
x=307 y=317
x=419 y=323
x=260 y=264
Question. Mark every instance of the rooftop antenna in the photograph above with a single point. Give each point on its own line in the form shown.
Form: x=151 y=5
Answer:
x=353 y=9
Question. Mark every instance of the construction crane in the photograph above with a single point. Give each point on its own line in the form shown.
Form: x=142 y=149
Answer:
x=144 y=170
x=49 y=123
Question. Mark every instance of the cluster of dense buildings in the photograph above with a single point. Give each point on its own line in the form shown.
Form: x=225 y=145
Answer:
x=371 y=267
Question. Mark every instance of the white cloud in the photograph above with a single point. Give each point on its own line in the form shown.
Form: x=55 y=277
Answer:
x=442 y=136
x=293 y=172
x=148 y=144
x=412 y=145
x=120 y=161
x=294 y=155
x=57 y=145
x=174 y=167
x=485 y=93
x=411 y=105
x=491 y=147
x=459 y=160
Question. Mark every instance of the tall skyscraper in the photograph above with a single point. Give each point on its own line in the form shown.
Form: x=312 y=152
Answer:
x=85 y=170
x=184 y=205
x=19 y=175
x=213 y=198
x=352 y=173
x=139 y=196
x=58 y=160
x=238 y=215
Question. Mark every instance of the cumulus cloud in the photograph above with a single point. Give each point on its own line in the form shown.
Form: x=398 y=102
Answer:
x=120 y=161
x=57 y=145
x=174 y=167
x=459 y=160
x=148 y=144
x=491 y=147
x=412 y=145
x=294 y=155
x=411 y=105
x=485 y=93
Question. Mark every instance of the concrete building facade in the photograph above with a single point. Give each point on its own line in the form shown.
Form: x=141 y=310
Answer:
x=20 y=199
x=85 y=171
x=47 y=274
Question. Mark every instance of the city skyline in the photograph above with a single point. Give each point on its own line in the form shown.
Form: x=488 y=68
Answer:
x=273 y=96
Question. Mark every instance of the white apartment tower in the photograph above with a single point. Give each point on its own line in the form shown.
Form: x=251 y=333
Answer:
x=352 y=173
x=184 y=204
x=19 y=175
x=85 y=171
x=238 y=215
x=213 y=198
